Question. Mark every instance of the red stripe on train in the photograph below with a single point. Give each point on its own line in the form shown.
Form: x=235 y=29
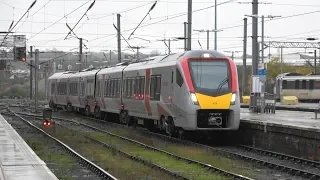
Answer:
x=147 y=92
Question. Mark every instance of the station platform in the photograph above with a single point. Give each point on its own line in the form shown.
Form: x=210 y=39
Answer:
x=293 y=119
x=17 y=159
x=308 y=107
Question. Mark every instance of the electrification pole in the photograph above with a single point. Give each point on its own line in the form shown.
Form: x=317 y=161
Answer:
x=46 y=80
x=119 y=37
x=31 y=69
x=208 y=39
x=315 y=61
x=262 y=39
x=110 y=57
x=36 y=74
x=244 y=76
x=80 y=54
x=185 y=36
x=189 y=24
x=255 y=52
x=169 y=46
x=215 y=25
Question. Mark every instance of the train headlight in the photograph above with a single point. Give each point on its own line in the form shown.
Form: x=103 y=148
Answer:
x=233 y=99
x=194 y=98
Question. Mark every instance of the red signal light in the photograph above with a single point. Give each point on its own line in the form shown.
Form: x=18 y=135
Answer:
x=46 y=123
x=23 y=59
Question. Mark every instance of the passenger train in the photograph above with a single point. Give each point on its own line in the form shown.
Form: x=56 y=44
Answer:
x=305 y=87
x=177 y=93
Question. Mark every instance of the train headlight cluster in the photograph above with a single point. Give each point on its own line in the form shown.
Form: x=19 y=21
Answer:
x=194 y=98
x=233 y=99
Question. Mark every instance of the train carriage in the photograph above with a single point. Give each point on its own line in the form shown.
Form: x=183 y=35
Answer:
x=305 y=87
x=88 y=98
x=191 y=91
x=108 y=90
x=59 y=89
x=146 y=88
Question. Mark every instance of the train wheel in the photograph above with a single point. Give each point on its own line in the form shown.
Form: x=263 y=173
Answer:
x=162 y=123
x=97 y=112
x=181 y=134
x=87 y=111
x=124 y=117
x=170 y=127
x=69 y=107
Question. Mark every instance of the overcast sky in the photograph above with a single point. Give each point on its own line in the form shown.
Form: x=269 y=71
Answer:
x=44 y=31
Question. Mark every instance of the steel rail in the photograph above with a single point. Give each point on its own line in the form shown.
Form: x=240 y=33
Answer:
x=90 y=165
x=282 y=156
x=209 y=167
x=283 y=168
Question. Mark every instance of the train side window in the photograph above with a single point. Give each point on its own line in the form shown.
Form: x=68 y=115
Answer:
x=64 y=88
x=52 y=88
x=155 y=87
x=284 y=84
x=304 y=84
x=179 y=79
x=158 y=88
x=104 y=88
x=58 y=88
x=124 y=90
x=296 y=84
x=133 y=84
x=77 y=88
x=119 y=87
x=98 y=88
x=152 y=87
x=311 y=84
x=108 y=87
x=70 y=88
x=115 y=85
x=128 y=87
x=82 y=88
x=111 y=87
x=142 y=81
x=137 y=87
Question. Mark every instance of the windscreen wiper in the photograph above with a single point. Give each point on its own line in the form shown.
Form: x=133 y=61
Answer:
x=223 y=82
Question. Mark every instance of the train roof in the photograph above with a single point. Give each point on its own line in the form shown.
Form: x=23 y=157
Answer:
x=61 y=75
x=293 y=78
x=150 y=62
x=112 y=69
x=155 y=62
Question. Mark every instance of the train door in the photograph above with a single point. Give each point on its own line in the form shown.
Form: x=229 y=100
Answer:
x=180 y=97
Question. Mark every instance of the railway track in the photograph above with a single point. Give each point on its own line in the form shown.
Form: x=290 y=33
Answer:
x=169 y=174
x=294 y=166
x=282 y=156
x=99 y=172
x=205 y=168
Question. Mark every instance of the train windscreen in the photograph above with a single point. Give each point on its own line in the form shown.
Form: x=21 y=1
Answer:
x=210 y=76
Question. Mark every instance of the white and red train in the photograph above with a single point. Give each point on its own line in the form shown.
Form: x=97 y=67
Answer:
x=191 y=91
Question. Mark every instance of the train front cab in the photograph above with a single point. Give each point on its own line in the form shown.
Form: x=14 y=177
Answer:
x=211 y=95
